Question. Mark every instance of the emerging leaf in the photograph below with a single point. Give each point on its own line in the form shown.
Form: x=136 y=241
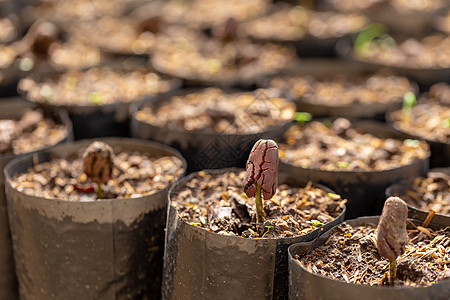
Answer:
x=262 y=169
x=98 y=163
x=391 y=233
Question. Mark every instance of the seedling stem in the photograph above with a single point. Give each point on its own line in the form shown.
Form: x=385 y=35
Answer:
x=392 y=271
x=259 y=205
x=99 y=191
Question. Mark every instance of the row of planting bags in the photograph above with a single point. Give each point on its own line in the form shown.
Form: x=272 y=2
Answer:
x=76 y=247
x=113 y=248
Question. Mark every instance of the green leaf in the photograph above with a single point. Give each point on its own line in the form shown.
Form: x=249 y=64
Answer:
x=334 y=196
x=342 y=164
x=366 y=36
x=446 y=123
x=315 y=223
x=302 y=117
x=409 y=100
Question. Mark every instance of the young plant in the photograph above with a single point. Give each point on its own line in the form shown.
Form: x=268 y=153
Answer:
x=409 y=100
x=391 y=233
x=261 y=174
x=302 y=117
x=315 y=224
x=372 y=33
x=98 y=164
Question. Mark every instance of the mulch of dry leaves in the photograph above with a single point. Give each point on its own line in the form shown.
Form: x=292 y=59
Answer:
x=430 y=118
x=350 y=254
x=430 y=193
x=430 y=52
x=32 y=132
x=215 y=110
x=96 y=86
x=343 y=90
x=134 y=175
x=216 y=202
x=339 y=146
x=199 y=57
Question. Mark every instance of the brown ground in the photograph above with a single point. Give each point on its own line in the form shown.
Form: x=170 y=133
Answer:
x=350 y=255
x=134 y=175
x=96 y=86
x=339 y=146
x=32 y=132
x=343 y=90
x=430 y=193
x=430 y=118
x=218 y=204
x=215 y=110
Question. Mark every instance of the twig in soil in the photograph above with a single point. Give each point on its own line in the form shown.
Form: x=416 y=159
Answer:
x=267 y=231
x=363 y=274
x=425 y=231
x=428 y=219
x=383 y=279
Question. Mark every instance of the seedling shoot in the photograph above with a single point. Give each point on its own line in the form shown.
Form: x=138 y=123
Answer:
x=98 y=164
x=302 y=117
x=261 y=174
x=391 y=233
x=409 y=100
